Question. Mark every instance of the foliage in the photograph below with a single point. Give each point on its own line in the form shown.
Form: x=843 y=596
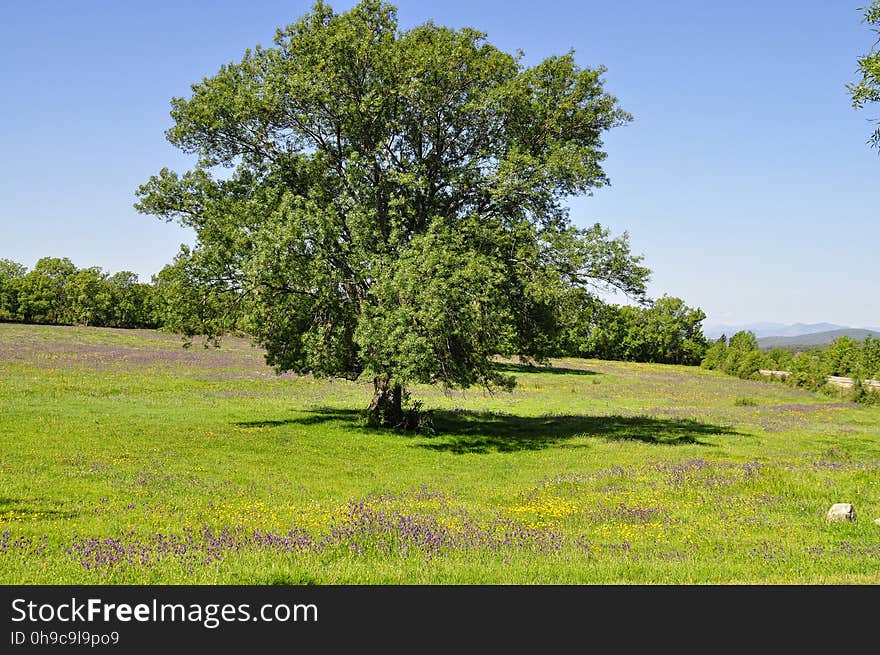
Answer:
x=668 y=332
x=845 y=357
x=182 y=305
x=743 y=341
x=867 y=89
x=395 y=204
x=778 y=359
x=131 y=301
x=43 y=295
x=88 y=298
x=11 y=274
x=664 y=331
x=716 y=353
x=842 y=357
x=56 y=292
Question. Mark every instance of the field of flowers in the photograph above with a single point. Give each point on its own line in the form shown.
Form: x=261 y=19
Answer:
x=125 y=458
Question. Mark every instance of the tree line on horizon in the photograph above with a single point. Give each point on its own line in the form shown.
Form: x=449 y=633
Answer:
x=808 y=368
x=56 y=292
x=665 y=330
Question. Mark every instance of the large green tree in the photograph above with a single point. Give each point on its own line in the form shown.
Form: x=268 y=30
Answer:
x=668 y=331
x=395 y=205
x=664 y=330
x=43 y=295
x=11 y=277
x=867 y=89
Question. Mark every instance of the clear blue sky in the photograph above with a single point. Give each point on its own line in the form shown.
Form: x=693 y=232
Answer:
x=745 y=178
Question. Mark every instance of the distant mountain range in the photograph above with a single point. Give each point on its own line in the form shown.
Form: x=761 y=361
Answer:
x=771 y=329
x=785 y=335
x=816 y=338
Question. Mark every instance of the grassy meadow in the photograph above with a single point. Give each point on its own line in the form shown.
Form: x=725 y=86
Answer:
x=125 y=458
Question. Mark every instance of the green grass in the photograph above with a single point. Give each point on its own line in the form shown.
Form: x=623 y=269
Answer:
x=125 y=458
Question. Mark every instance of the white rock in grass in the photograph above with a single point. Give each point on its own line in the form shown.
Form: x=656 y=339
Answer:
x=841 y=512
x=877 y=521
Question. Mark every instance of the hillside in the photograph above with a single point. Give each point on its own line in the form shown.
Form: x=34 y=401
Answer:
x=815 y=339
x=128 y=459
x=713 y=331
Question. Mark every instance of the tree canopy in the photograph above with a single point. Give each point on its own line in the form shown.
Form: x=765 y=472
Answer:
x=867 y=89
x=57 y=293
x=393 y=203
x=664 y=330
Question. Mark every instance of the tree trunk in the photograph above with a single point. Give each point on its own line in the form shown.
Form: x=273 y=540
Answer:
x=396 y=403
x=380 y=389
x=386 y=407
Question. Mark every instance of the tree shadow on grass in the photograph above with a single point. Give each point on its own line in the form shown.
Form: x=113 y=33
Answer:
x=266 y=424
x=484 y=432
x=315 y=417
x=470 y=432
x=25 y=509
x=511 y=367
